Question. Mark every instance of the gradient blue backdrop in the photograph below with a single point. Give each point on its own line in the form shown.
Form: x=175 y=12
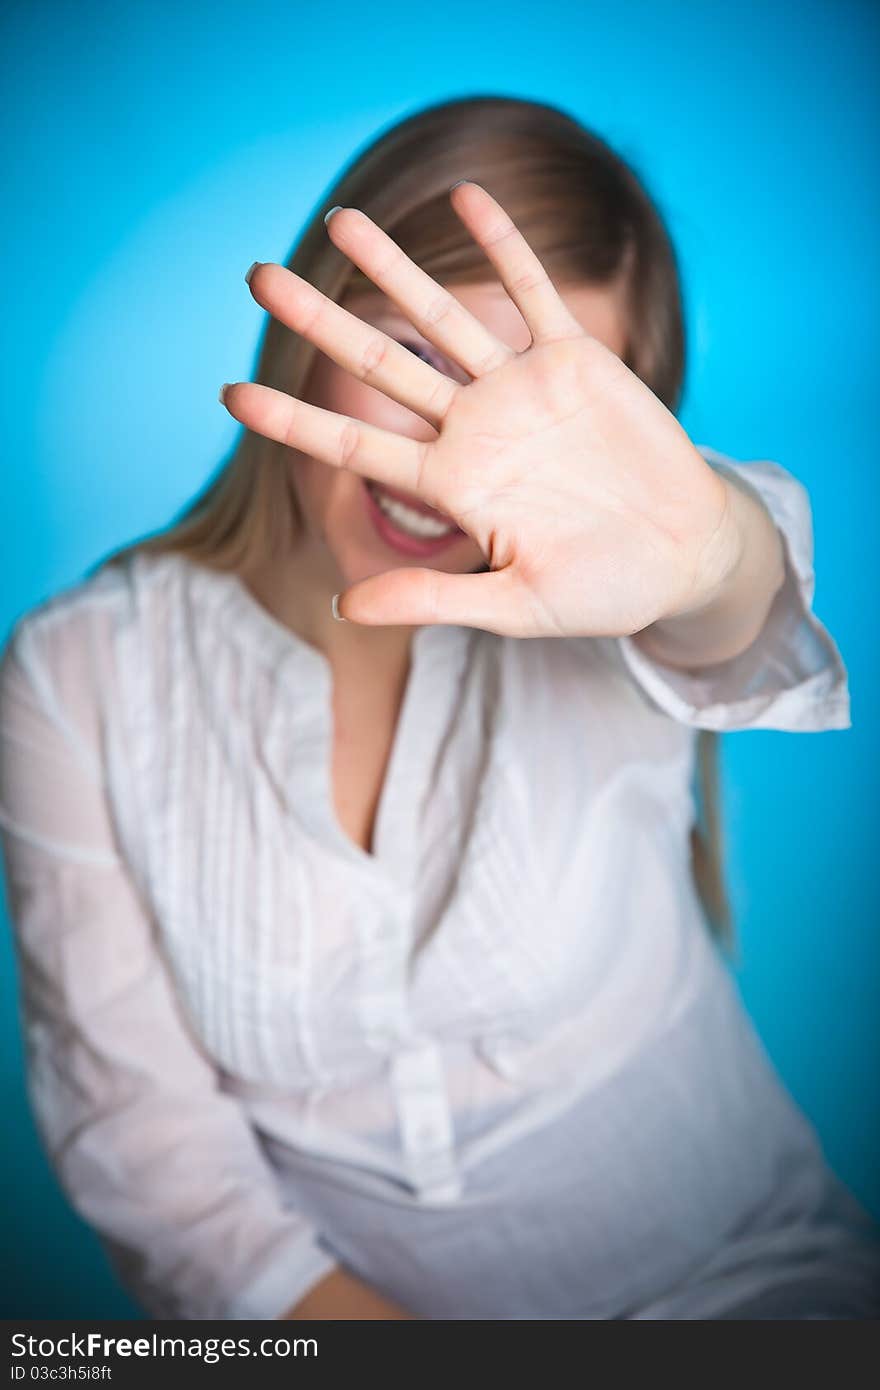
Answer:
x=151 y=152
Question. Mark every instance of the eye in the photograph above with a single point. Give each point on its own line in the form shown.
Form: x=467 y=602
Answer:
x=425 y=353
x=435 y=359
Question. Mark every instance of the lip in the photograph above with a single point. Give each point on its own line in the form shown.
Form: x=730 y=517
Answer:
x=403 y=544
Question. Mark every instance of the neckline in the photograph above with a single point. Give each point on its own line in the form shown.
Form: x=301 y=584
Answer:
x=438 y=655
x=251 y=622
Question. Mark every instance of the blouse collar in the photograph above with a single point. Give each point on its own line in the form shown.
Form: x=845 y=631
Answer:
x=251 y=623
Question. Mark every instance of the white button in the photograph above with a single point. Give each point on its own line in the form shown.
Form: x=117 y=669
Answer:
x=433 y=1174
x=422 y=1102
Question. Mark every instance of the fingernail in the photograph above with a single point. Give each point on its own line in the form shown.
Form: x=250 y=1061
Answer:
x=221 y=394
x=334 y=608
x=328 y=215
x=458 y=185
x=249 y=273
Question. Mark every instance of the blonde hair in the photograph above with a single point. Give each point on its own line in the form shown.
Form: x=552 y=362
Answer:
x=588 y=217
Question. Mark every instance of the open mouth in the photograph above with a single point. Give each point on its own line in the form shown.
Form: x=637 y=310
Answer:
x=411 y=520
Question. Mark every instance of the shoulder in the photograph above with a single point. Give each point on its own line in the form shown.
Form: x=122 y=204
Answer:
x=111 y=595
x=61 y=649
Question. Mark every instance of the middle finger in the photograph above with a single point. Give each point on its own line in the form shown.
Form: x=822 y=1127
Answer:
x=430 y=308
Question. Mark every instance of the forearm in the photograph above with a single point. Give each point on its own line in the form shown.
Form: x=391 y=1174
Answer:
x=729 y=620
x=341 y=1295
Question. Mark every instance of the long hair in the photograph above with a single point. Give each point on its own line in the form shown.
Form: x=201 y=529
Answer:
x=588 y=217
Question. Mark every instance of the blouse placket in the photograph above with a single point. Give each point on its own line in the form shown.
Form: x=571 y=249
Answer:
x=416 y=1071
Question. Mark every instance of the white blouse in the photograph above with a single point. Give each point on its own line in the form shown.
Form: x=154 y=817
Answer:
x=497 y=1067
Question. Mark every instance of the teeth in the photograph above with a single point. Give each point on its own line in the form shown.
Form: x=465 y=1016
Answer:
x=413 y=522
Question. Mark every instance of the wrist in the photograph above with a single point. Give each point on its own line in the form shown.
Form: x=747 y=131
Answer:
x=742 y=569
x=722 y=556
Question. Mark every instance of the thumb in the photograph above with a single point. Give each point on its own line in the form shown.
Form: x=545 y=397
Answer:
x=424 y=597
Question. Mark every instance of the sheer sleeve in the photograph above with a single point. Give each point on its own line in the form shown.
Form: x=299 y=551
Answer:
x=150 y=1152
x=792 y=676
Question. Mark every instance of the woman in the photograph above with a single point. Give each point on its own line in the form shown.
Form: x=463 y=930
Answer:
x=365 y=964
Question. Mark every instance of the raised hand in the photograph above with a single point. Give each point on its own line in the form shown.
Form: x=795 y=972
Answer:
x=593 y=509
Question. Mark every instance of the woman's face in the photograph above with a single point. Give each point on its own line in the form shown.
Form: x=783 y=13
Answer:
x=340 y=507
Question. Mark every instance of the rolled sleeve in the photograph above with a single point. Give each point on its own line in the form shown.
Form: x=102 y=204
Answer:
x=149 y=1150
x=792 y=676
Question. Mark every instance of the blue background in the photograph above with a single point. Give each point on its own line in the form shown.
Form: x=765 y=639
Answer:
x=151 y=152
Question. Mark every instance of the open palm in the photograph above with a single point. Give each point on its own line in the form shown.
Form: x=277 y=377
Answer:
x=593 y=509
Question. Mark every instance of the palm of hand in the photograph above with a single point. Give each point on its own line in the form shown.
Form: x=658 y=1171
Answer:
x=584 y=547
x=595 y=512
